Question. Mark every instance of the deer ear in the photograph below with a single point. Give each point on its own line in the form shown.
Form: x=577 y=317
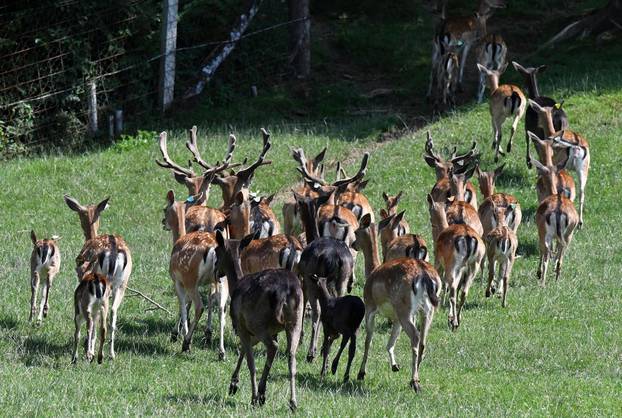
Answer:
x=33 y=236
x=365 y=221
x=220 y=238
x=247 y=239
x=384 y=214
x=74 y=204
x=535 y=106
x=519 y=67
x=398 y=196
x=180 y=178
x=385 y=222
x=102 y=206
x=269 y=199
x=385 y=196
x=398 y=218
x=170 y=197
x=431 y=161
x=323 y=199
x=541 y=69
x=362 y=185
x=499 y=170
x=239 y=198
x=430 y=200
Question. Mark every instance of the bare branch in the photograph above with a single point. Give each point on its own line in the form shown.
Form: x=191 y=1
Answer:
x=148 y=299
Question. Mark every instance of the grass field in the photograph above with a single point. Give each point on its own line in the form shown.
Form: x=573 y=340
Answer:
x=553 y=351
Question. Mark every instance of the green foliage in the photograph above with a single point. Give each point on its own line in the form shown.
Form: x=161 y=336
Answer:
x=142 y=140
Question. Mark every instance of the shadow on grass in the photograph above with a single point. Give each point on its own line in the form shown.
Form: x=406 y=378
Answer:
x=8 y=323
x=141 y=346
x=200 y=399
x=36 y=347
x=527 y=249
x=331 y=383
x=147 y=326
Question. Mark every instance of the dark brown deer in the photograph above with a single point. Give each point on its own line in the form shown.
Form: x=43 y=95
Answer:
x=44 y=264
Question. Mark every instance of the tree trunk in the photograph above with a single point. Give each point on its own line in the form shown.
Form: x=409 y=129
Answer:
x=300 y=38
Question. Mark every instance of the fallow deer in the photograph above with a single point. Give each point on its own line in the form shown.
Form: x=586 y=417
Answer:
x=461 y=33
x=291 y=217
x=506 y=100
x=192 y=264
x=459 y=211
x=399 y=289
x=239 y=213
x=501 y=245
x=353 y=198
x=323 y=257
x=396 y=246
x=571 y=149
x=235 y=182
x=44 y=263
x=442 y=189
x=486 y=210
x=458 y=254
x=263 y=219
x=560 y=119
x=492 y=52
x=103 y=254
x=392 y=202
x=277 y=251
x=90 y=300
x=556 y=218
x=447 y=76
x=552 y=179
x=263 y=304
x=389 y=228
x=340 y=316
x=199 y=217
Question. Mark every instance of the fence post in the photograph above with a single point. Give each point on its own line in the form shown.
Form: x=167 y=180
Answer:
x=92 y=108
x=300 y=37
x=168 y=44
x=118 y=122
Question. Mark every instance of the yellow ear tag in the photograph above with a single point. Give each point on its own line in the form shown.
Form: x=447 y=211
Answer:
x=558 y=106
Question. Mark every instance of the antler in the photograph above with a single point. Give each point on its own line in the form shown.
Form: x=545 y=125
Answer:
x=429 y=148
x=469 y=154
x=168 y=163
x=191 y=144
x=248 y=172
x=359 y=175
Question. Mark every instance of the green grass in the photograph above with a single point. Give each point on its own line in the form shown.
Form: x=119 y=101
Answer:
x=553 y=351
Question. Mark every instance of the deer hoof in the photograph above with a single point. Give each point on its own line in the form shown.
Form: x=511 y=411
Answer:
x=333 y=368
x=310 y=358
x=100 y=359
x=395 y=368
x=174 y=336
x=233 y=388
x=488 y=293
x=509 y=148
x=293 y=405
x=361 y=376
x=208 y=337
x=261 y=399
x=415 y=385
x=185 y=347
x=221 y=355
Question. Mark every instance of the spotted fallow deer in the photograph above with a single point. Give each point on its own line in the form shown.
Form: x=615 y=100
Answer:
x=199 y=217
x=391 y=209
x=353 y=198
x=234 y=182
x=486 y=210
x=396 y=246
x=447 y=76
x=399 y=289
x=506 y=101
x=276 y=251
x=560 y=119
x=291 y=218
x=459 y=211
x=91 y=300
x=44 y=264
x=263 y=219
x=263 y=305
x=501 y=245
x=108 y=255
x=441 y=191
x=192 y=264
x=570 y=149
x=556 y=218
x=552 y=179
x=460 y=34
x=458 y=254
x=492 y=52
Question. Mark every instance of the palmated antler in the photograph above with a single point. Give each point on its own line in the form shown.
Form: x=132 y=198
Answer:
x=191 y=144
x=168 y=162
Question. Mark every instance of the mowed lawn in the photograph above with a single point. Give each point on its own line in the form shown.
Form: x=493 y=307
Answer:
x=552 y=351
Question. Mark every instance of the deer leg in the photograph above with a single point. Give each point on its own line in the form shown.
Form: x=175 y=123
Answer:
x=481 y=88
x=434 y=60
x=507 y=269
x=395 y=333
x=76 y=336
x=497 y=126
x=463 y=59
x=351 y=353
x=89 y=337
x=210 y=314
x=117 y=298
x=325 y=352
x=560 y=256
x=235 y=378
x=223 y=293
x=271 y=349
x=513 y=131
x=198 y=311
x=452 y=319
x=315 y=325
x=34 y=287
x=582 y=174
x=46 y=290
x=410 y=329
x=335 y=364
x=250 y=362
x=491 y=274
x=426 y=321
x=527 y=140
x=370 y=315
x=292 y=347
x=545 y=261
x=182 y=325
x=103 y=328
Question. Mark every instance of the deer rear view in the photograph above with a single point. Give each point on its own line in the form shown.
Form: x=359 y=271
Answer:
x=44 y=263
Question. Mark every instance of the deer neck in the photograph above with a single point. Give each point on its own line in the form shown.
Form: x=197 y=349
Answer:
x=324 y=297
x=439 y=223
x=180 y=228
x=312 y=231
x=532 y=86
x=486 y=188
x=370 y=251
x=548 y=128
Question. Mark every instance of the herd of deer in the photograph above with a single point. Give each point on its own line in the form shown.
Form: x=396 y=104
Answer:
x=238 y=254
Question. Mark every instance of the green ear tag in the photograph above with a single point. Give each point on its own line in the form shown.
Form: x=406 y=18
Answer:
x=190 y=199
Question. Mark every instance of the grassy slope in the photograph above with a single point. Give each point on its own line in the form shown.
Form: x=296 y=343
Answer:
x=553 y=351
